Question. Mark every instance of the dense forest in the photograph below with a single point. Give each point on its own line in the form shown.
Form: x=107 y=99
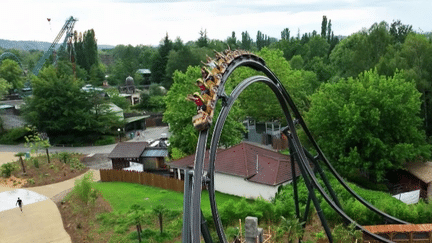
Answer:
x=366 y=97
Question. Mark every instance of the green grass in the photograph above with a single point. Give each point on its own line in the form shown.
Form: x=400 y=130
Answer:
x=122 y=195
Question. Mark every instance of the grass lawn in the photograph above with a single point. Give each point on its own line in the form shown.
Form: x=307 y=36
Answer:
x=121 y=195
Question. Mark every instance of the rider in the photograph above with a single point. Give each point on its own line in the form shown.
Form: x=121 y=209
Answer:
x=199 y=101
x=203 y=87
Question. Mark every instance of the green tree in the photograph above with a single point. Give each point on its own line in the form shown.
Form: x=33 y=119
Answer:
x=297 y=62
x=12 y=73
x=232 y=41
x=35 y=142
x=120 y=101
x=285 y=34
x=86 y=50
x=136 y=216
x=351 y=56
x=203 y=39
x=324 y=27
x=4 y=87
x=400 y=31
x=361 y=51
x=60 y=107
x=160 y=61
x=415 y=57
x=181 y=59
x=160 y=210
x=259 y=101
x=246 y=42
x=370 y=123
x=262 y=40
x=179 y=113
x=316 y=47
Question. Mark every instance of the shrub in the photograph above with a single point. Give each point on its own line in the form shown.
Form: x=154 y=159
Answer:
x=14 y=135
x=35 y=162
x=366 y=183
x=76 y=164
x=64 y=157
x=105 y=140
x=31 y=181
x=349 y=234
x=6 y=169
x=232 y=233
x=84 y=190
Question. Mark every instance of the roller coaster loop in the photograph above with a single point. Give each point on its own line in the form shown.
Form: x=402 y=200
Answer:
x=226 y=63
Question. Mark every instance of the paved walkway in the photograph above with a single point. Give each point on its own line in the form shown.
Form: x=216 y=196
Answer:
x=6 y=157
x=150 y=133
x=40 y=221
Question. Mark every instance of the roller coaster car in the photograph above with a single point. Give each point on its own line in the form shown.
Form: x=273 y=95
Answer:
x=203 y=120
x=211 y=78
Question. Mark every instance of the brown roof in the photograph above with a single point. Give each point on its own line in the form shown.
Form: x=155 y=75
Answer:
x=128 y=150
x=399 y=228
x=421 y=170
x=241 y=160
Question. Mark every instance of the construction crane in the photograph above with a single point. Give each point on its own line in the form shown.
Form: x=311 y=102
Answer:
x=68 y=28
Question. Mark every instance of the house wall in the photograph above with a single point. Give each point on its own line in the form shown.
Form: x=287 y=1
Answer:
x=235 y=185
x=119 y=164
x=149 y=163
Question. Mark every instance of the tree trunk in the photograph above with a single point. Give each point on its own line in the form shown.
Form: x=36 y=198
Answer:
x=160 y=223
x=139 y=232
x=47 y=153
x=22 y=164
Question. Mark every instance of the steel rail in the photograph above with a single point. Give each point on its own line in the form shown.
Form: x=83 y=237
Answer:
x=286 y=103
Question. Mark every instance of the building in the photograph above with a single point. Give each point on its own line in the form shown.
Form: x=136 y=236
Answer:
x=246 y=169
x=139 y=155
x=268 y=133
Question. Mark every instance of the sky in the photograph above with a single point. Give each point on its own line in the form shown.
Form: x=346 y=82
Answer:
x=146 y=22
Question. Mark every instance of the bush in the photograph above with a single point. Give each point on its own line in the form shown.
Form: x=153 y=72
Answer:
x=366 y=183
x=76 y=164
x=35 y=162
x=232 y=233
x=64 y=157
x=6 y=169
x=84 y=190
x=105 y=140
x=14 y=135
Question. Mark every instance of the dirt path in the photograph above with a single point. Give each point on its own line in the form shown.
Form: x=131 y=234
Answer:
x=40 y=221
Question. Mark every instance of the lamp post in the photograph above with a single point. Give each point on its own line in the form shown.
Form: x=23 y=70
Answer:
x=119 y=134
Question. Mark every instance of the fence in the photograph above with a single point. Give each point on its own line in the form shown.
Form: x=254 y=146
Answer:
x=142 y=178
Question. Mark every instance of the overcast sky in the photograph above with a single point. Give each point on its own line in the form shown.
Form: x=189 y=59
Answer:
x=146 y=22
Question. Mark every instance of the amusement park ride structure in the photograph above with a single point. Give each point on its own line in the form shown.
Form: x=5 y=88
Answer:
x=67 y=27
x=214 y=79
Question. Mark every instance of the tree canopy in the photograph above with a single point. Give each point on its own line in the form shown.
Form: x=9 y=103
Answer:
x=179 y=113
x=59 y=106
x=12 y=73
x=370 y=122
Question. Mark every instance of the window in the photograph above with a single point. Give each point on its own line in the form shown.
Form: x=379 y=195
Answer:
x=421 y=235
x=401 y=236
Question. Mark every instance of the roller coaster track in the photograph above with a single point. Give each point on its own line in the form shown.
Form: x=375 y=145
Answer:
x=9 y=54
x=298 y=154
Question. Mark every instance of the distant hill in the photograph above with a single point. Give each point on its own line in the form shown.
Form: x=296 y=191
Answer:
x=35 y=45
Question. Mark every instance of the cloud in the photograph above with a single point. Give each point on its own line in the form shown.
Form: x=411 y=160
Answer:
x=146 y=22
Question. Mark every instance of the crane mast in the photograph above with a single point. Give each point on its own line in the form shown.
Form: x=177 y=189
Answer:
x=68 y=28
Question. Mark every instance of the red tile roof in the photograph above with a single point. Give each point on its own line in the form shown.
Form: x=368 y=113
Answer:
x=241 y=160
